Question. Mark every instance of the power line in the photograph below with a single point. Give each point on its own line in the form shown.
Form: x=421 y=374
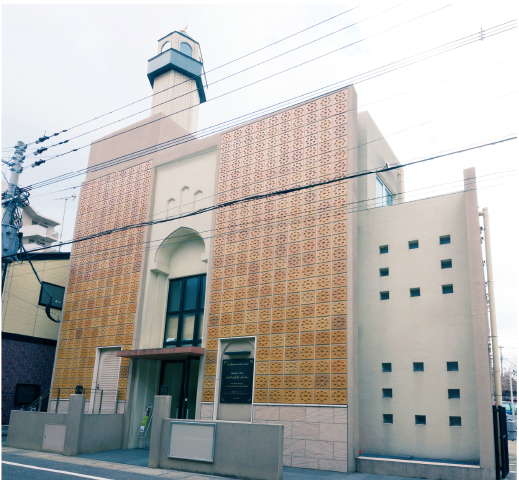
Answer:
x=117 y=250
x=275 y=193
x=213 y=69
x=348 y=110
x=245 y=86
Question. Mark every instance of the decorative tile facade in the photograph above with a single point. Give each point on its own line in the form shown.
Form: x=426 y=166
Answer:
x=104 y=277
x=279 y=268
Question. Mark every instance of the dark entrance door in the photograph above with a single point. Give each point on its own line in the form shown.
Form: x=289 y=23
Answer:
x=181 y=378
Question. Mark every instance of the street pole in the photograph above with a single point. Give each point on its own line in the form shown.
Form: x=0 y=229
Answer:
x=11 y=201
x=511 y=394
x=492 y=307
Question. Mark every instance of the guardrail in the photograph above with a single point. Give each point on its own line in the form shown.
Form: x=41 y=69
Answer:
x=96 y=397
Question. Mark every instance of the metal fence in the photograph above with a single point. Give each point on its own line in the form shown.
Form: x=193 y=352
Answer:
x=100 y=401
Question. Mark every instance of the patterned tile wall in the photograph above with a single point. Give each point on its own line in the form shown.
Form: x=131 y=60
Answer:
x=104 y=277
x=279 y=268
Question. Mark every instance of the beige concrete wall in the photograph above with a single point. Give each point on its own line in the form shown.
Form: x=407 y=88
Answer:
x=433 y=328
x=20 y=311
x=374 y=152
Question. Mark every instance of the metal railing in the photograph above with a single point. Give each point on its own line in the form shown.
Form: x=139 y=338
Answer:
x=96 y=396
x=35 y=406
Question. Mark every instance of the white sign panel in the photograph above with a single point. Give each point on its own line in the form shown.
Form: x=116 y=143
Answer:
x=192 y=441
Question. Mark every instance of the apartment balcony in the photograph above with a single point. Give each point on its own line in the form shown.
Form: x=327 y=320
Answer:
x=40 y=233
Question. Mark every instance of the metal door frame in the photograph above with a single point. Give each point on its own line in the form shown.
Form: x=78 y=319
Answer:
x=186 y=366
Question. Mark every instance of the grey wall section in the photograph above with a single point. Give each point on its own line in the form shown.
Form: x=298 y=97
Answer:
x=243 y=450
x=101 y=433
x=433 y=328
x=26 y=428
x=419 y=470
x=480 y=328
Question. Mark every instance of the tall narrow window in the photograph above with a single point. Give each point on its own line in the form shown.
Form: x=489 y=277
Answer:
x=197 y=199
x=184 y=200
x=185 y=311
x=170 y=208
x=384 y=196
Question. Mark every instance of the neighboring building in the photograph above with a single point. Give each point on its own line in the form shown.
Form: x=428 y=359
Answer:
x=29 y=337
x=38 y=230
x=355 y=322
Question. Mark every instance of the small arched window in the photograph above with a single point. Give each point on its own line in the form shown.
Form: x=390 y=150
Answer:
x=186 y=49
x=197 y=199
x=184 y=199
x=171 y=208
x=166 y=46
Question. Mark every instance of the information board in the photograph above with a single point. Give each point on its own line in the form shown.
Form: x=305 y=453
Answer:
x=237 y=377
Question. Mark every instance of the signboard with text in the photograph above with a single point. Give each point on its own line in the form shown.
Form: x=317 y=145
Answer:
x=237 y=377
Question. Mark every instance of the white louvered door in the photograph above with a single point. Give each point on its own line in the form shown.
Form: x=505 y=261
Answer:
x=107 y=380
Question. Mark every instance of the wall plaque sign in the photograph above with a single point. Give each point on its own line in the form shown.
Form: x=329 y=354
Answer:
x=237 y=377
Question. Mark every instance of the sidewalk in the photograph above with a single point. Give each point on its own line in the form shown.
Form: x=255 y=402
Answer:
x=101 y=460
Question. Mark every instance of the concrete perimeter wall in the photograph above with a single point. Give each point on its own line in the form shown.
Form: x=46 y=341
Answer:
x=26 y=428
x=244 y=450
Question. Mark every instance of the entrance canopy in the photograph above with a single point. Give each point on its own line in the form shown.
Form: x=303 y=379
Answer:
x=175 y=353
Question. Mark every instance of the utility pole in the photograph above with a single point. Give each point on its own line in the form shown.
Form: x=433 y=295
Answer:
x=73 y=197
x=12 y=200
x=492 y=308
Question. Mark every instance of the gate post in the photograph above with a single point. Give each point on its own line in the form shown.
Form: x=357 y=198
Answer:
x=161 y=410
x=75 y=415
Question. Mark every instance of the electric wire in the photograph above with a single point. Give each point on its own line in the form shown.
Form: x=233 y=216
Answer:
x=237 y=89
x=348 y=110
x=272 y=194
x=237 y=120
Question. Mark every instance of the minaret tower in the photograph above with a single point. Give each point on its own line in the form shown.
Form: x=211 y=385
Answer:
x=177 y=72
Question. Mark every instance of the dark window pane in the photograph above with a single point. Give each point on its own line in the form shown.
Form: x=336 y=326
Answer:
x=386 y=367
x=417 y=366
x=419 y=419
x=452 y=366
x=202 y=294
x=175 y=288
x=190 y=293
x=384 y=249
x=447 y=289
x=445 y=240
x=446 y=263
x=415 y=292
x=455 y=421
x=453 y=393
x=387 y=392
x=384 y=272
x=384 y=295
x=413 y=244
x=387 y=417
x=188 y=327
x=171 y=328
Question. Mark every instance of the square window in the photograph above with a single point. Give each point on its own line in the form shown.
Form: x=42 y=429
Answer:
x=386 y=367
x=452 y=366
x=453 y=393
x=384 y=295
x=25 y=393
x=415 y=292
x=447 y=289
x=384 y=272
x=387 y=418
x=455 y=421
x=447 y=263
x=445 y=239
x=383 y=248
x=418 y=367
x=419 y=419
x=413 y=244
x=387 y=392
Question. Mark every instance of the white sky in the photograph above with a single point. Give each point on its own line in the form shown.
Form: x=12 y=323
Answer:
x=64 y=64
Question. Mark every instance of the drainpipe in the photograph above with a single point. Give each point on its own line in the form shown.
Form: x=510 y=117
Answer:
x=401 y=197
x=492 y=307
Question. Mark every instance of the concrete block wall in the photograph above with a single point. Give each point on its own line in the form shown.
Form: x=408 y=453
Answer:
x=24 y=362
x=314 y=438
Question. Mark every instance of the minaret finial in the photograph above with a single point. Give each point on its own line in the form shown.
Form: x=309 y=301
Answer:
x=185 y=28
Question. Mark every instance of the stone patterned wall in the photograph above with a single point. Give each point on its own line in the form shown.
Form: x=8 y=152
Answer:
x=104 y=277
x=315 y=437
x=179 y=94
x=279 y=270
x=24 y=362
